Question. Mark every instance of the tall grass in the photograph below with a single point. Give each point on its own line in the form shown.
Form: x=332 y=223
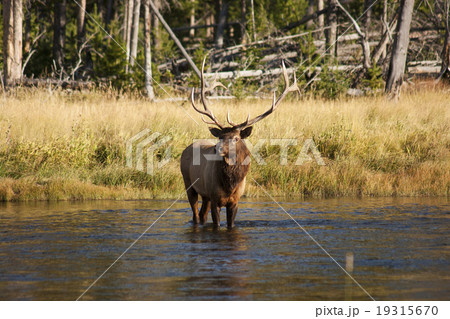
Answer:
x=72 y=145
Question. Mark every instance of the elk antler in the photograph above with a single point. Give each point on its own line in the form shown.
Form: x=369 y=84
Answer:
x=287 y=88
x=203 y=90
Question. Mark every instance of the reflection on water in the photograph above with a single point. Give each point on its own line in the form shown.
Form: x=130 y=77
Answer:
x=54 y=251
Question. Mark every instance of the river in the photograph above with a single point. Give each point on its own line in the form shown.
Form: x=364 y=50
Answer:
x=57 y=250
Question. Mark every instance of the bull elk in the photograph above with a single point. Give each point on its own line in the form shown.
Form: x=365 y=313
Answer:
x=221 y=182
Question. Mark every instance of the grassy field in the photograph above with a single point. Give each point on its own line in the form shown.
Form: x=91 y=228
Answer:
x=63 y=146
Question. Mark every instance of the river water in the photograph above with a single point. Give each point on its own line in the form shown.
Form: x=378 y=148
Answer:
x=55 y=251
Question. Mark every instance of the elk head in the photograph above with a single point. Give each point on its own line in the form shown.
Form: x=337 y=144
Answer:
x=231 y=137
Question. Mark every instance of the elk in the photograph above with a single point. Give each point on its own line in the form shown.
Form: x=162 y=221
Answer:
x=221 y=182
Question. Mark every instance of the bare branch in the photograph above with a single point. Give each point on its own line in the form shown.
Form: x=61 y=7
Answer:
x=27 y=60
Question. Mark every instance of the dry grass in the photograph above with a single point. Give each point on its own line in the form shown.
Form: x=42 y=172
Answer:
x=72 y=146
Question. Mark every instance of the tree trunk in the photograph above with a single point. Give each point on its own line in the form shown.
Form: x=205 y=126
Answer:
x=332 y=31
x=174 y=38
x=381 y=47
x=27 y=36
x=221 y=23
x=129 y=29
x=81 y=35
x=400 y=48
x=8 y=41
x=100 y=9
x=362 y=37
x=385 y=26
x=321 y=22
x=108 y=15
x=147 y=51
x=192 y=19
x=368 y=15
x=125 y=23
x=135 y=34
x=59 y=33
x=310 y=11
x=445 y=54
x=445 y=69
x=12 y=41
x=209 y=21
x=18 y=22
x=253 y=20
x=81 y=24
x=155 y=26
x=243 y=21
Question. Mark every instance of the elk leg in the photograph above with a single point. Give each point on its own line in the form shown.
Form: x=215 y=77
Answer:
x=193 y=200
x=215 y=213
x=206 y=206
x=231 y=214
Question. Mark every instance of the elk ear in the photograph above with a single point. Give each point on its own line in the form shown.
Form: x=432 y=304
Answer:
x=246 y=132
x=215 y=131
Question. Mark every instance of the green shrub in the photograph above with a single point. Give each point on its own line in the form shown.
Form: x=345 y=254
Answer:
x=333 y=83
x=373 y=79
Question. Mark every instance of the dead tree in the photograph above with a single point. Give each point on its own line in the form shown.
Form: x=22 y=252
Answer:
x=109 y=11
x=81 y=23
x=400 y=48
x=135 y=33
x=147 y=51
x=384 y=27
x=368 y=4
x=155 y=25
x=320 y=18
x=59 y=33
x=445 y=68
x=380 y=49
x=27 y=37
x=18 y=18
x=253 y=20
x=129 y=26
x=12 y=41
x=243 y=20
x=174 y=37
x=445 y=55
x=362 y=37
x=82 y=45
x=221 y=23
x=332 y=30
x=125 y=22
x=309 y=11
x=192 y=19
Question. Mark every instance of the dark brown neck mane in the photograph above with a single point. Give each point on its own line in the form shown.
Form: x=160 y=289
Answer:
x=231 y=175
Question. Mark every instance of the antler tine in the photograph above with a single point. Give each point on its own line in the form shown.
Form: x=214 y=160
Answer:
x=287 y=88
x=203 y=89
x=229 y=120
x=234 y=124
x=215 y=84
x=207 y=113
x=202 y=85
x=207 y=122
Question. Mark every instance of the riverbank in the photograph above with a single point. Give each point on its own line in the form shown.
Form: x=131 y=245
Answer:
x=69 y=146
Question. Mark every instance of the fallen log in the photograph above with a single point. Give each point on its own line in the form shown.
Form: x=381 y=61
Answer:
x=269 y=72
x=187 y=28
x=64 y=84
x=424 y=69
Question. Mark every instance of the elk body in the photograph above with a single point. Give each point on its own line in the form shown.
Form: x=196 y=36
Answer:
x=217 y=172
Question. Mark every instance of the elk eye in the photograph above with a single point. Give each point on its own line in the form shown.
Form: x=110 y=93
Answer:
x=235 y=139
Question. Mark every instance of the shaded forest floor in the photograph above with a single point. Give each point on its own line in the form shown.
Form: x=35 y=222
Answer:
x=63 y=145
